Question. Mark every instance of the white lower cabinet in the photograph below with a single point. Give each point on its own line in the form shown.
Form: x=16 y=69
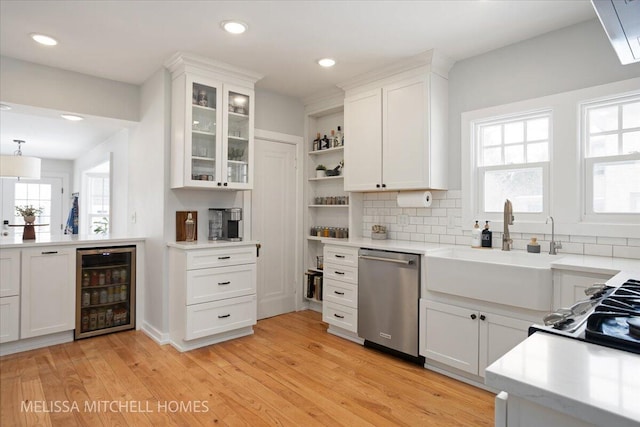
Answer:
x=340 y=293
x=48 y=291
x=9 y=319
x=9 y=295
x=212 y=294
x=468 y=339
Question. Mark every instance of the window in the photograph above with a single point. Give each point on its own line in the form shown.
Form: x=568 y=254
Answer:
x=98 y=203
x=37 y=195
x=512 y=162
x=611 y=161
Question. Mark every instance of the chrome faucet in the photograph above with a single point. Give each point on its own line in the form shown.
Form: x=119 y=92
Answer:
x=507 y=221
x=553 y=245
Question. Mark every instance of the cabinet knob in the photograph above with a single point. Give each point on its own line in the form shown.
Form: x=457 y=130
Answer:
x=225 y=184
x=473 y=317
x=219 y=184
x=483 y=317
x=384 y=185
x=377 y=185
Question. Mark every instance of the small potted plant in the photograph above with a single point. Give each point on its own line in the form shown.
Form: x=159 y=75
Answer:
x=320 y=171
x=28 y=213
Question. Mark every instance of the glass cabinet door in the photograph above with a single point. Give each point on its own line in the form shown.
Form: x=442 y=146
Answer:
x=239 y=138
x=203 y=132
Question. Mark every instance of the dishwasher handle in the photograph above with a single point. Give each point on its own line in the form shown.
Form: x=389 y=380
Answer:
x=377 y=258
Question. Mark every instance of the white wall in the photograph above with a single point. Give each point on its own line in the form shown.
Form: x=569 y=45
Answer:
x=279 y=113
x=116 y=150
x=27 y=83
x=571 y=58
x=148 y=181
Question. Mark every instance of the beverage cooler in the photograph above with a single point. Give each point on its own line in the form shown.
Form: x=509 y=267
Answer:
x=106 y=290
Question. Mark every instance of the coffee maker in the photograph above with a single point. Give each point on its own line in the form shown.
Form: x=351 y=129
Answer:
x=224 y=224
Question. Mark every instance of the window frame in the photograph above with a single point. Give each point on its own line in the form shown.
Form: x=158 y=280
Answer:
x=587 y=163
x=479 y=210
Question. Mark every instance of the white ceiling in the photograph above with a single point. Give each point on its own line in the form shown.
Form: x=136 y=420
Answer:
x=129 y=40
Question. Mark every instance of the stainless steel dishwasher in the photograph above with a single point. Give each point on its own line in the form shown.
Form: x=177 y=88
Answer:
x=388 y=301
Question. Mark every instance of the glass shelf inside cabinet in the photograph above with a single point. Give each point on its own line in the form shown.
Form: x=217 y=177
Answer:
x=203 y=133
x=238 y=138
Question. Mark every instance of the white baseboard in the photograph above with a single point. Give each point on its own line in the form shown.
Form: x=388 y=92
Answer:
x=36 y=342
x=159 y=337
x=347 y=335
x=479 y=382
x=183 y=346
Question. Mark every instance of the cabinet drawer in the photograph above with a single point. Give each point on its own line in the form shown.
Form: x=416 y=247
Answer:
x=340 y=293
x=341 y=273
x=212 y=318
x=9 y=319
x=218 y=257
x=340 y=315
x=341 y=255
x=213 y=284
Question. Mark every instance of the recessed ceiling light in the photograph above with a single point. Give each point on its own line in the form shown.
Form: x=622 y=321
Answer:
x=327 y=62
x=45 y=40
x=5 y=107
x=234 y=27
x=71 y=117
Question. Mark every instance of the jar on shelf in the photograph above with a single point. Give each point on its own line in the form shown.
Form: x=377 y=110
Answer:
x=108 y=320
x=86 y=298
x=93 y=319
x=95 y=297
x=94 y=278
x=115 y=276
x=102 y=279
x=110 y=294
x=123 y=293
x=85 y=320
x=102 y=314
x=123 y=275
x=86 y=280
x=103 y=296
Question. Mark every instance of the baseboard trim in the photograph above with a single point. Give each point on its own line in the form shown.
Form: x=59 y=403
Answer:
x=35 y=343
x=159 y=337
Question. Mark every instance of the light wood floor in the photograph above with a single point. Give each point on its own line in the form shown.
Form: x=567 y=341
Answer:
x=290 y=372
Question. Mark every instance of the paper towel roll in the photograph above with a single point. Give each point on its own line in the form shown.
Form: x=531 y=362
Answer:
x=414 y=199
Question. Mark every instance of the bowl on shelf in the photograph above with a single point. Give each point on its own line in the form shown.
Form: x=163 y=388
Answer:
x=332 y=172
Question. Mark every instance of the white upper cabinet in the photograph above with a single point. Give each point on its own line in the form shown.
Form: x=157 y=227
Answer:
x=212 y=120
x=396 y=125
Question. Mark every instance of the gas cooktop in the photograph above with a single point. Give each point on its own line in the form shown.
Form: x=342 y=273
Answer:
x=609 y=317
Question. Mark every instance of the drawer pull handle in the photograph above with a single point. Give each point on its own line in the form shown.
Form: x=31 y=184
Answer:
x=224 y=257
x=224 y=283
x=339 y=316
x=339 y=272
x=224 y=316
x=338 y=293
x=339 y=256
x=49 y=252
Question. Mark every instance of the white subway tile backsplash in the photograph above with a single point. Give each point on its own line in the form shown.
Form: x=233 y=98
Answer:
x=446 y=238
x=583 y=239
x=442 y=223
x=627 y=252
x=598 y=250
x=620 y=241
x=448 y=203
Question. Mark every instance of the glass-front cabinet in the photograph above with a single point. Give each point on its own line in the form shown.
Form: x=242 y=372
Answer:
x=212 y=127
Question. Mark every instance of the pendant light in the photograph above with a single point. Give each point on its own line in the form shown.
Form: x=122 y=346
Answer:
x=19 y=166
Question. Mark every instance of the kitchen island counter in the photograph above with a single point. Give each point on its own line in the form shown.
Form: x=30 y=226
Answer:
x=562 y=378
x=16 y=241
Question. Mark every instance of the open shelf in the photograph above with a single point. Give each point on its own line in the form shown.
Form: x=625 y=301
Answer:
x=327 y=151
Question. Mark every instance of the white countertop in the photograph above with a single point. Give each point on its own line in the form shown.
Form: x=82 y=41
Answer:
x=420 y=248
x=593 y=383
x=595 y=264
x=208 y=244
x=16 y=241
x=584 y=263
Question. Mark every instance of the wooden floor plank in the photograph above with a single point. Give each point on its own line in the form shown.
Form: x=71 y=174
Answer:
x=291 y=372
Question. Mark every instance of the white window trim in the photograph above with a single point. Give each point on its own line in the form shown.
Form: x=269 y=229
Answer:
x=566 y=175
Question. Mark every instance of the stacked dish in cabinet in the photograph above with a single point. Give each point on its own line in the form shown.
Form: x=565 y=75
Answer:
x=105 y=300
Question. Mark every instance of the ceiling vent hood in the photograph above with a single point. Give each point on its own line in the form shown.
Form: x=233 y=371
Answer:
x=621 y=22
